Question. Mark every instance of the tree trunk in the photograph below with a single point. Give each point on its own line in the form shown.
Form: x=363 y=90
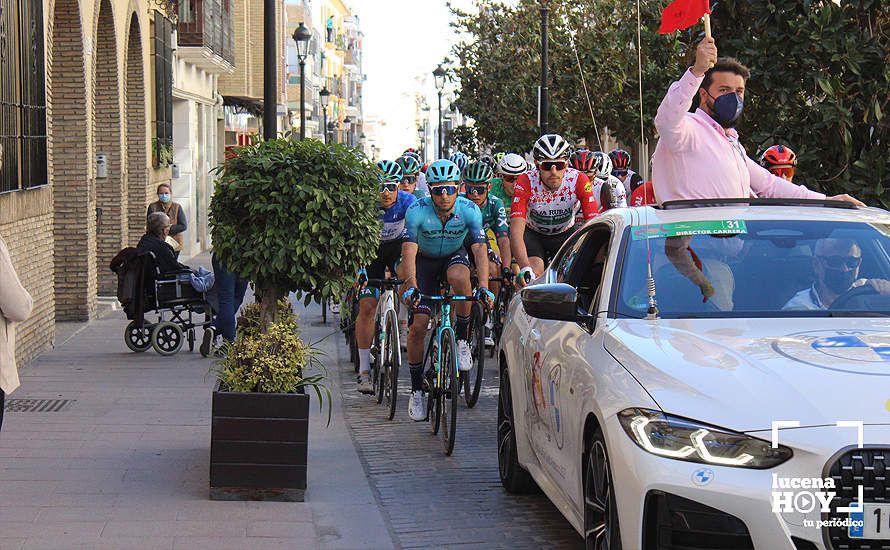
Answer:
x=269 y=308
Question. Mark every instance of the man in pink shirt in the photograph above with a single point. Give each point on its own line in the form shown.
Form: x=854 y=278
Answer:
x=698 y=155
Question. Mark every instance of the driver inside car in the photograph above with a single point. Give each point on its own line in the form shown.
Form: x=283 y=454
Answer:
x=836 y=264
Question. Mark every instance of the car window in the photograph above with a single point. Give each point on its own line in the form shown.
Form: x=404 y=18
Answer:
x=562 y=265
x=770 y=268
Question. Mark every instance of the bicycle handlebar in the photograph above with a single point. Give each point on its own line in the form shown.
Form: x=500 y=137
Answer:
x=386 y=282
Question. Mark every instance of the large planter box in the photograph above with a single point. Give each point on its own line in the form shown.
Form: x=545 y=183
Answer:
x=258 y=446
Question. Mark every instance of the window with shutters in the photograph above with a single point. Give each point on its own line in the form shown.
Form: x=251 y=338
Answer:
x=22 y=96
x=163 y=58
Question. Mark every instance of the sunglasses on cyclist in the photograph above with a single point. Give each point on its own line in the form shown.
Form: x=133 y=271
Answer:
x=508 y=178
x=477 y=189
x=783 y=171
x=389 y=187
x=839 y=262
x=409 y=179
x=549 y=165
x=443 y=190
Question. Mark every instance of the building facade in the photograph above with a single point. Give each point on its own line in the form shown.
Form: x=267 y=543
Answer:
x=84 y=119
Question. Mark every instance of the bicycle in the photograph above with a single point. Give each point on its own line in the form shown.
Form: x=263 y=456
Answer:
x=499 y=310
x=348 y=316
x=441 y=376
x=386 y=355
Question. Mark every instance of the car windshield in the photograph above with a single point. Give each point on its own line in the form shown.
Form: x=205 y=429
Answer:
x=772 y=268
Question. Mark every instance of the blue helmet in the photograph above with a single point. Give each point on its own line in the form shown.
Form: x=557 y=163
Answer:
x=442 y=171
x=389 y=171
x=460 y=160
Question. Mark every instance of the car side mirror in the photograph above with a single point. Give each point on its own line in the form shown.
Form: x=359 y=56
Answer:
x=554 y=301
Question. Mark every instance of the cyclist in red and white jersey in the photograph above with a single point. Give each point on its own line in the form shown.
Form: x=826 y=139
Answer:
x=621 y=170
x=542 y=215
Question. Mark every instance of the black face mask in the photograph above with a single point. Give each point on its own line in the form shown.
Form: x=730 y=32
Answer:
x=839 y=281
x=726 y=109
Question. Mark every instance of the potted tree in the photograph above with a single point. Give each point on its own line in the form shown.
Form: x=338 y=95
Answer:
x=291 y=216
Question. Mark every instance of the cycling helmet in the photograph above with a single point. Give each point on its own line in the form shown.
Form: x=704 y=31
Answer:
x=551 y=147
x=620 y=160
x=460 y=160
x=778 y=155
x=413 y=154
x=409 y=165
x=477 y=172
x=582 y=160
x=498 y=157
x=389 y=171
x=442 y=171
x=602 y=165
x=410 y=150
x=512 y=165
x=489 y=160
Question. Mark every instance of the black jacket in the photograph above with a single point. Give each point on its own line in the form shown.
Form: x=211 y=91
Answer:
x=164 y=256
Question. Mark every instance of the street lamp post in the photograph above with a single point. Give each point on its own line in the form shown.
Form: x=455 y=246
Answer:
x=545 y=100
x=301 y=37
x=270 y=72
x=439 y=76
x=325 y=97
x=347 y=123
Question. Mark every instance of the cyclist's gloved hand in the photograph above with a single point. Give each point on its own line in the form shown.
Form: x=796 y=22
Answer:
x=507 y=273
x=362 y=277
x=411 y=297
x=484 y=295
x=526 y=274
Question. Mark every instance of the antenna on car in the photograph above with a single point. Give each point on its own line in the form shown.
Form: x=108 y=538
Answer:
x=652 y=312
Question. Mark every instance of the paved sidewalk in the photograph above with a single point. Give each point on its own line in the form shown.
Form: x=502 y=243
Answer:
x=125 y=464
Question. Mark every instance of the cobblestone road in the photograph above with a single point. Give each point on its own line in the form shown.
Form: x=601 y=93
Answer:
x=431 y=500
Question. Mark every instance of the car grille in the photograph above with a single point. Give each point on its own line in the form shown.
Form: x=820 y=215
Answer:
x=870 y=468
x=671 y=522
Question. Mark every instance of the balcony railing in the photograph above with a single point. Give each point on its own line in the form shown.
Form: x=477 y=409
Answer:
x=208 y=23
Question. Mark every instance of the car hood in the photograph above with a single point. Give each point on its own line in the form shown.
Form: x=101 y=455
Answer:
x=743 y=374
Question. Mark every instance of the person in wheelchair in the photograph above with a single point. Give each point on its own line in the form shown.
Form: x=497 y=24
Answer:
x=154 y=241
x=837 y=263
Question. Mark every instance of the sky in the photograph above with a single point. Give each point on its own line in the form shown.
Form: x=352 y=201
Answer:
x=403 y=41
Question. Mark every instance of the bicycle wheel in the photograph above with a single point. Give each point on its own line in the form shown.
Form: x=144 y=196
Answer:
x=432 y=402
x=472 y=379
x=377 y=359
x=353 y=346
x=448 y=395
x=392 y=361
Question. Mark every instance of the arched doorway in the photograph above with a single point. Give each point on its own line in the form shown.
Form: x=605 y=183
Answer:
x=136 y=134
x=111 y=228
x=74 y=190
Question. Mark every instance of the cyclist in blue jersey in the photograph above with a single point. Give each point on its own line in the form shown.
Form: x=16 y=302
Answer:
x=393 y=206
x=437 y=227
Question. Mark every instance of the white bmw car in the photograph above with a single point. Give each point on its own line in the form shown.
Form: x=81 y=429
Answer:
x=745 y=403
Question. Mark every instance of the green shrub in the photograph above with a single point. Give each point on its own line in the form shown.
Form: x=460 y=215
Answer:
x=296 y=215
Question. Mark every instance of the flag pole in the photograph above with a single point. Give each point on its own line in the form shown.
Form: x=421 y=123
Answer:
x=707 y=20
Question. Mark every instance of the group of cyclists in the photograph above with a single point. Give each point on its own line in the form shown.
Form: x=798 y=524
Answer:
x=462 y=222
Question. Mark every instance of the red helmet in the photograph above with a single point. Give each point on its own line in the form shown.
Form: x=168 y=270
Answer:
x=583 y=160
x=620 y=160
x=778 y=155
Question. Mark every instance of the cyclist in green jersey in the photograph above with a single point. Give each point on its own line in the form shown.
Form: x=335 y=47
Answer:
x=509 y=168
x=477 y=181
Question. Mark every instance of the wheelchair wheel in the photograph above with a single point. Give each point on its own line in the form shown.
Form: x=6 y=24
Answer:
x=138 y=339
x=166 y=338
x=191 y=339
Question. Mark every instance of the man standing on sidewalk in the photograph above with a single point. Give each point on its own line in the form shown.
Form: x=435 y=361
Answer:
x=698 y=155
x=15 y=306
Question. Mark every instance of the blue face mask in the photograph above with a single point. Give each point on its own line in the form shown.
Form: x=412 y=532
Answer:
x=164 y=197
x=726 y=109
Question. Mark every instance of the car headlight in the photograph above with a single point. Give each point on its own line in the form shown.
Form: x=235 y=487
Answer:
x=683 y=439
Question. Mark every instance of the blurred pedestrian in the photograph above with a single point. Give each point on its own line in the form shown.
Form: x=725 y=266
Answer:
x=699 y=155
x=15 y=306
x=330 y=28
x=174 y=211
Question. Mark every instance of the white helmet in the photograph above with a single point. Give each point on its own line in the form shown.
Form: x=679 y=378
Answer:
x=602 y=165
x=551 y=147
x=512 y=164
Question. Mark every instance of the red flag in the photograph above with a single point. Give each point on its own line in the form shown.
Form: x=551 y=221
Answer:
x=682 y=14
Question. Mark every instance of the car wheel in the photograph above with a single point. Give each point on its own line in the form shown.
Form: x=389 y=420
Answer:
x=601 y=531
x=514 y=477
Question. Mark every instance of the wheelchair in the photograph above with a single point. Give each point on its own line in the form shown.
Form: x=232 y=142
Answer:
x=179 y=309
